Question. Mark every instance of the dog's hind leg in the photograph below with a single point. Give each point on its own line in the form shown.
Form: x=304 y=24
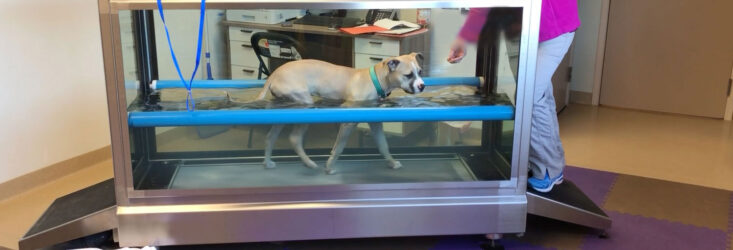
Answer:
x=381 y=140
x=296 y=139
x=270 y=143
x=341 y=140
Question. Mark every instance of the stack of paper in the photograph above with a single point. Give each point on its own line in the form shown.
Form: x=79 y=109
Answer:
x=384 y=26
x=396 y=27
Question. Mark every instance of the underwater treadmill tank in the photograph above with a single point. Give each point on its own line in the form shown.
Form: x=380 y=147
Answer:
x=189 y=151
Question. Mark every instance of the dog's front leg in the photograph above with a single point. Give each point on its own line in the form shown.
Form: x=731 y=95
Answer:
x=381 y=140
x=341 y=140
x=270 y=143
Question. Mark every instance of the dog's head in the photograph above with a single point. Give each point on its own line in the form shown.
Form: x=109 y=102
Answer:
x=405 y=73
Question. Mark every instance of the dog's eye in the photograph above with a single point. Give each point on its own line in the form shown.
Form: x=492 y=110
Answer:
x=409 y=75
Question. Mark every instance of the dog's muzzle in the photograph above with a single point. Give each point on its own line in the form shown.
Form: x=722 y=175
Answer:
x=420 y=84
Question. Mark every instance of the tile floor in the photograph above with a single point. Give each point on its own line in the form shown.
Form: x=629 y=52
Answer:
x=684 y=149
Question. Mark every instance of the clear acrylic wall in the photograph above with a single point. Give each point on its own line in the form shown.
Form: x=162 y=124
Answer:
x=231 y=155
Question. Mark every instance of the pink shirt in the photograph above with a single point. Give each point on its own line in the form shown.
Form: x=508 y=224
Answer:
x=558 y=17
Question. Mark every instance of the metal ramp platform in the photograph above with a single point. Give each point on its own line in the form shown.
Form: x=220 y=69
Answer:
x=85 y=212
x=93 y=210
x=567 y=203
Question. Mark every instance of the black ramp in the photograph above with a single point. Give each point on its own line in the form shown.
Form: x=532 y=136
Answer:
x=84 y=212
x=566 y=202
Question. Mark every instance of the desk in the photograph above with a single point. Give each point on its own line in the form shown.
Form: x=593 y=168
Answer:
x=320 y=42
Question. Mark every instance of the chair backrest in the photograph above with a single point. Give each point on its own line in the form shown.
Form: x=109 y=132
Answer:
x=273 y=45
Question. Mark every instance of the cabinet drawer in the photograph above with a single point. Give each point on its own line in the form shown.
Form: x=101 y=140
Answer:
x=126 y=34
x=366 y=60
x=242 y=34
x=243 y=54
x=264 y=16
x=243 y=72
x=128 y=56
x=376 y=46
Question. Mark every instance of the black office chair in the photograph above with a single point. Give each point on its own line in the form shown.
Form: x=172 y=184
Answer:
x=274 y=45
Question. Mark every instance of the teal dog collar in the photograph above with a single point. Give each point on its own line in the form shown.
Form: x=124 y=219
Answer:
x=375 y=81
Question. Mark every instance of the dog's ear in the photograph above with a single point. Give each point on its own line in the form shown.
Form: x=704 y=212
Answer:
x=392 y=64
x=418 y=56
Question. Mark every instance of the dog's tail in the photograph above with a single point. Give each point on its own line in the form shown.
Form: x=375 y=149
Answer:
x=264 y=91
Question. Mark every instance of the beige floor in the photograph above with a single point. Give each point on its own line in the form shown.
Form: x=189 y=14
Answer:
x=676 y=148
x=684 y=149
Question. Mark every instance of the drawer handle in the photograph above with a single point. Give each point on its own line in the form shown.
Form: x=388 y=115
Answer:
x=248 y=71
x=246 y=31
x=376 y=59
x=377 y=43
x=246 y=46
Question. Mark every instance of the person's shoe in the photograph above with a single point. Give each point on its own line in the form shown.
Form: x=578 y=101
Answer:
x=546 y=184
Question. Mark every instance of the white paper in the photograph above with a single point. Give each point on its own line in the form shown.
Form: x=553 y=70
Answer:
x=391 y=24
x=398 y=31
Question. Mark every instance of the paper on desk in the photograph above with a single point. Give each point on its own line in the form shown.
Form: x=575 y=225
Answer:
x=398 y=31
x=384 y=26
x=362 y=29
x=396 y=27
x=419 y=31
x=392 y=24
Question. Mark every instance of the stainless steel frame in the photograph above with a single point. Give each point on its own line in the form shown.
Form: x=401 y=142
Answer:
x=166 y=217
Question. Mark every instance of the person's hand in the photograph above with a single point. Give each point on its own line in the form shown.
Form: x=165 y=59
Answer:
x=457 y=51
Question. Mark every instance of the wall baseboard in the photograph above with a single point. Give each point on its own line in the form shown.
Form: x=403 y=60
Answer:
x=52 y=172
x=581 y=97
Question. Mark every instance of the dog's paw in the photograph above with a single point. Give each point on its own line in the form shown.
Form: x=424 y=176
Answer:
x=330 y=171
x=311 y=164
x=269 y=164
x=394 y=164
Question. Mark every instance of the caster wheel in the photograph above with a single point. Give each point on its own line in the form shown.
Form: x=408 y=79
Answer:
x=603 y=235
x=493 y=245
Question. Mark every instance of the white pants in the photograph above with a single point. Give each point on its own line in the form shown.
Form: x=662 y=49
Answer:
x=546 y=153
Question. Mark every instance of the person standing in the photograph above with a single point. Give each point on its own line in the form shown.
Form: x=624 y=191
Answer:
x=558 y=22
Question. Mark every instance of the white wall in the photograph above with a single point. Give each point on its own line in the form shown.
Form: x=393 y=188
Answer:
x=586 y=43
x=183 y=26
x=52 y=95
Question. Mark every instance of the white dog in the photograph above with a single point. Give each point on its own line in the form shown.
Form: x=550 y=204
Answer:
x=303 y=79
